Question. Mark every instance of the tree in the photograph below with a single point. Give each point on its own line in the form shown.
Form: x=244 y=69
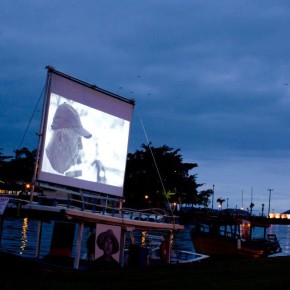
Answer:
x=220 y=201
x=161 y=175
x=203 y=198
x=154 y=177
x=3 y=157
x=251 y=207
x=19 y=168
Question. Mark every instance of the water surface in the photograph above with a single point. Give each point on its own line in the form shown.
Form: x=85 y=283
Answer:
x=19 y=237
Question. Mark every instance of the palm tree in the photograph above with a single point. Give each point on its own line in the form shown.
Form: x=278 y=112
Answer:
x=220 y=201
x=251 y=207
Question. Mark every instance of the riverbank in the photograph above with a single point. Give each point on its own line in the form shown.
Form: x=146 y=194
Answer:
x=267 y=273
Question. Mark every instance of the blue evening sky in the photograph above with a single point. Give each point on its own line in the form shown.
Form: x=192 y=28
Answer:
x=209 y=77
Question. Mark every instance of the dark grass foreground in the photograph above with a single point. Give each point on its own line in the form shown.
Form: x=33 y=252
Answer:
x=267 y=273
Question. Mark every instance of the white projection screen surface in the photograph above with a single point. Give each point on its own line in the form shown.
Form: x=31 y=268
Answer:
x=85 y=138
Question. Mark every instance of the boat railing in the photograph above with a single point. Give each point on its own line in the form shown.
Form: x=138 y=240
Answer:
x=272 y=237
x=110 y=206
x=102 y=205
x=150 y=215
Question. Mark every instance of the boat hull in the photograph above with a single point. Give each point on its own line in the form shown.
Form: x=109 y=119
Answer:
x=223 y=246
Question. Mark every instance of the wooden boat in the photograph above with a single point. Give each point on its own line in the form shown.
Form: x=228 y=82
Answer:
x=80 y=195
x=234 y=237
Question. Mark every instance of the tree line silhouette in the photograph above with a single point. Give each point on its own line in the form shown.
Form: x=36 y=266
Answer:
x=155 y=177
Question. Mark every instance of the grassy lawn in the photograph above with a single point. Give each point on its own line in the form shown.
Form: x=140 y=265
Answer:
x=267 y=273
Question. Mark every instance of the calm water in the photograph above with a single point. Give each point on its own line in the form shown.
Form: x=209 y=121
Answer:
x=283 y=234
x=19 y=237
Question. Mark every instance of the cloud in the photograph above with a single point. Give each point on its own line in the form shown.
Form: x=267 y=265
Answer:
x=207 y=76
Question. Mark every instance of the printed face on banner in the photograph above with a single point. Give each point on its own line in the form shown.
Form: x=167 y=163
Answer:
x=108 y=244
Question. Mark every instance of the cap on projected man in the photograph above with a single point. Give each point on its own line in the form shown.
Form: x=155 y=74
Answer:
x=65 y=148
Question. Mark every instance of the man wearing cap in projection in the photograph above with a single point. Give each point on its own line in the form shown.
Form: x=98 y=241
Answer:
x=64 y=149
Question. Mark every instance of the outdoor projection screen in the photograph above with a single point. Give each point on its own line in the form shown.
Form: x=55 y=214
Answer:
x=85 y=136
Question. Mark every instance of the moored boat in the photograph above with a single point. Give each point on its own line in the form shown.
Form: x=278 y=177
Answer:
x=230 y=236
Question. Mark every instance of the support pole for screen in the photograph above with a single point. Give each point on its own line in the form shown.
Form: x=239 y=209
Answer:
x=47 y=85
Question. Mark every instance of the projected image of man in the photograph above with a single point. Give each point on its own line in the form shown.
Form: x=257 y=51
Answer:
x=65 y=150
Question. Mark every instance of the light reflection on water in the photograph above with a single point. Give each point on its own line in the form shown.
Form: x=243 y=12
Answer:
x=19 y=237
x=24 y=235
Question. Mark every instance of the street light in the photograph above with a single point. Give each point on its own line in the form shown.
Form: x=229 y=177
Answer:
x=270 y=190
x=212 y=197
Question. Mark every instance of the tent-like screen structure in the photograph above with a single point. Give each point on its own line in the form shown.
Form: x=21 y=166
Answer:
x=85 y=135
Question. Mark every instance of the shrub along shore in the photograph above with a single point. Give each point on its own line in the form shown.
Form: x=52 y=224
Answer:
x=265 y=273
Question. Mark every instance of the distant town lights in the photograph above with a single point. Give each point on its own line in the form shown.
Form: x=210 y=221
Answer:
x=273 y=215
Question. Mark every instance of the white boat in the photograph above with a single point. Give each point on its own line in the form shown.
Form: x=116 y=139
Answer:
x=177 y=256
x=150 y=253
x=80 y=191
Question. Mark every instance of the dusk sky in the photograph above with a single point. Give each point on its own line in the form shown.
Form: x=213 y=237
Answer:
x=211 y=78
